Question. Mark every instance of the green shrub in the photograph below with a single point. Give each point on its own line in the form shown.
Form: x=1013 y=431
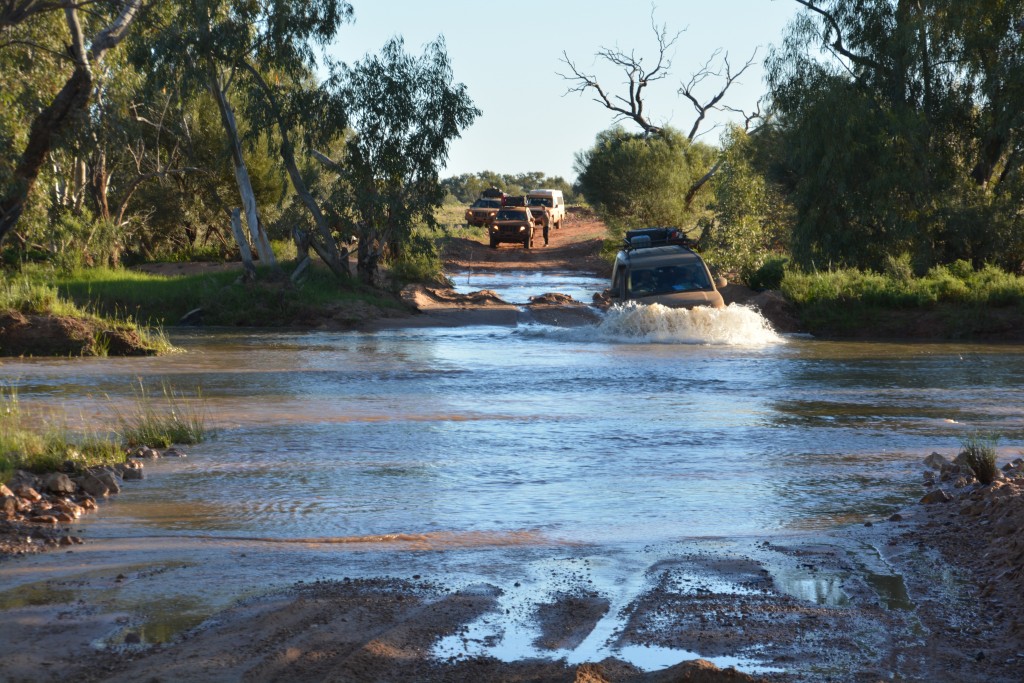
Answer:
x=419 y=262
x=956 y=284
x=899 y=267
x=979 y=451
x=769 y=275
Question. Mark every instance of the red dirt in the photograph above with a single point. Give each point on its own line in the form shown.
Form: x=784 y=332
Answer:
x=576 y=246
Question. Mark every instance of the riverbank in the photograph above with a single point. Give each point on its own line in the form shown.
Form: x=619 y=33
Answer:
x=36 y=321
x=929 y=593
x=951 y=303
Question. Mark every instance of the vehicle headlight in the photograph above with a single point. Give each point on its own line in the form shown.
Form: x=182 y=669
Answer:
x=522 y=227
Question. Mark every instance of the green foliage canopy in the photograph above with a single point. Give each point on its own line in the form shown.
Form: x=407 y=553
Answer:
x=467 y=187
x=902 y=126
x=637 y=180
x=404 y=111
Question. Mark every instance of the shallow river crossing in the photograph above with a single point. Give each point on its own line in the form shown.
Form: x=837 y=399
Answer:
x=360 y=453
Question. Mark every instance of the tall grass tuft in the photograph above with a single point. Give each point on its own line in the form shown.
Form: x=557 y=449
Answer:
x=163 y=420
x=23 y=445
x=979 y=452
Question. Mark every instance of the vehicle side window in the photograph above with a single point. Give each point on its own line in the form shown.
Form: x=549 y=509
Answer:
x=642 y=282
x=617 y=281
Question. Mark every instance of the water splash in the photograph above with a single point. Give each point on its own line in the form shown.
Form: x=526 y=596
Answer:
x=734 y=325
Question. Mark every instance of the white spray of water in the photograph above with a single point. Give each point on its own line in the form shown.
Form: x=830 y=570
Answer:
x=633 y=323
x=734 y=325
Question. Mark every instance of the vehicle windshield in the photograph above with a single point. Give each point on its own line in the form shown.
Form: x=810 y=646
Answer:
x=540 y=201
x=668 y=279
x=486 y=204
x=511 y=215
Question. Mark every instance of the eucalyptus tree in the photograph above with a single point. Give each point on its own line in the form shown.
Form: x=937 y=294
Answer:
x=297 y=107
x=86 y=37
x=403 y=112
x=217 y=44
x=750 y=218
x=903 y=124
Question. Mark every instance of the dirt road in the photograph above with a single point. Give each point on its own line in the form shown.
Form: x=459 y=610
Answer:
x=575 y=246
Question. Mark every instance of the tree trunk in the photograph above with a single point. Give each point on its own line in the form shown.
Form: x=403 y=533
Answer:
x=71 y=99
x=227 y=117
x=55 y=117
x=368 y=256
x=323 y=243
x=243 y=245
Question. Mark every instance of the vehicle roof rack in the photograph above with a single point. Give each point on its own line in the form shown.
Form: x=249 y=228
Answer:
x=643 y=238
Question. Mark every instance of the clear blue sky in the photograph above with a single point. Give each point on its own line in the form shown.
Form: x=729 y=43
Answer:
x=508 y=55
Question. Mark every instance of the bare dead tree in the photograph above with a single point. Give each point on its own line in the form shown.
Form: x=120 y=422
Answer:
x=638 y=78
x=725 y=74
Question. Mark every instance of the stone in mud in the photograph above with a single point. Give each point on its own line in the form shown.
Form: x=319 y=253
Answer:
x=174 y=453
x=28 y=493
x=134 y=474
x=110 y=478
x=70 y=508
x=23 y=478
x=43 y=519
x=8 y=506
x=146 y=452
x=94 y=486
x=698 y=671
x=936 y=461
x=5 y=492
x=58 y=483
x=936 y=496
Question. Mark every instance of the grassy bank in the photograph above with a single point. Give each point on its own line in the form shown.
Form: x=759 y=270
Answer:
x=223 y=300
x=37 y=320
x=948 y=302
x=42 y=441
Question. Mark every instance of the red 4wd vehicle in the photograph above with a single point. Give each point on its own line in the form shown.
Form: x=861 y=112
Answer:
x=513 y=224
x=483 y=211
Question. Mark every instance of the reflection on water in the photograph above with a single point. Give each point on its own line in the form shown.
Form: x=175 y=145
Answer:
x=584 y=435
x=891 y=589
x=819 y=588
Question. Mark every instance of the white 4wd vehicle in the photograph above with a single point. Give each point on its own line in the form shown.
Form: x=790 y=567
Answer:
x=547 y=206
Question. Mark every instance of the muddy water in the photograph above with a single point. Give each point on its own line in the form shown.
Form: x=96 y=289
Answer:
x=654 y=426
x=634 y=429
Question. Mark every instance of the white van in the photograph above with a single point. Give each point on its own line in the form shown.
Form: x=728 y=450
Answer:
x=552 y=200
